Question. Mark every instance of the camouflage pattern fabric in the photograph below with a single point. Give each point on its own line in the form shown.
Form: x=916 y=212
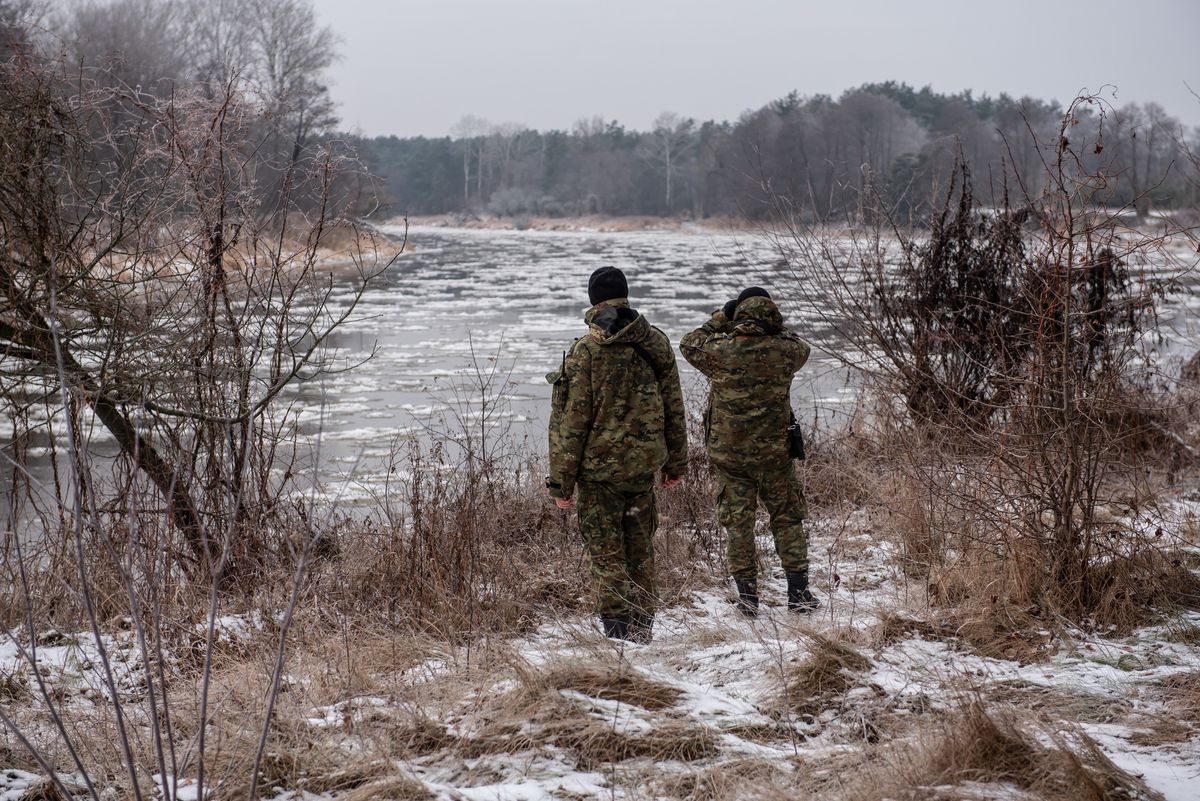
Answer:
x=617 y=410
x=618 y=534
x=750 y=363
x=737 y=503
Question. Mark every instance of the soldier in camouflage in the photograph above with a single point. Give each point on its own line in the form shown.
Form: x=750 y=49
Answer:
x=750 y=359
x=616 y=425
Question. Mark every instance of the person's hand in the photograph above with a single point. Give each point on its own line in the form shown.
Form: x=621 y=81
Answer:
x=669 y=481
x=564 y=503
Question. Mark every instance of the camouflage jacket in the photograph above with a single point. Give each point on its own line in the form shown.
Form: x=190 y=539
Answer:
x=617 y=409
x=750 y=363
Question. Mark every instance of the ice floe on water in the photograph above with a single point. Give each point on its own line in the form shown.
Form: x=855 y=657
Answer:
x=466 y=304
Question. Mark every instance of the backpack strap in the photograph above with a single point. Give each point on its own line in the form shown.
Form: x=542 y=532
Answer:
x=637 y=347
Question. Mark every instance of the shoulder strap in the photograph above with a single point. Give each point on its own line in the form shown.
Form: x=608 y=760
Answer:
x=637 y=347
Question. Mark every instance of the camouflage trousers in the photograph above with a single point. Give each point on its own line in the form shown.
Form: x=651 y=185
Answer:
x=618 y=534
x=737 y=503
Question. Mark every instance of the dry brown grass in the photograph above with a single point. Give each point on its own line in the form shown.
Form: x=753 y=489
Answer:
x=671 y=740
x=621 y=683
x=1183 y=633
x=988 y=555
x=994 y=630
x=978 y=745
x=1135 y=589
x=894 y=627
x=1182 y=693
x=730 y=779
x=845 y=467
x=13 y=688
x=393 y=788
x=820 y=679
x=536 y=715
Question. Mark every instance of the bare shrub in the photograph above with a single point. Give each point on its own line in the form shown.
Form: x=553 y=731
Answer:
x=454 y=556
x=1021 y=422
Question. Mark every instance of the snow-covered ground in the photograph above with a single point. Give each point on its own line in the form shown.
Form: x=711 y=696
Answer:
x=544 y=716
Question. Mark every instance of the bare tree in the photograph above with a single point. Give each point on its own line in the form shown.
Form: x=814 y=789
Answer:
x=140 y=277
x=287 y=53
x=131 y=43
x=671 y=141
x=17 y=18
x=471 y=130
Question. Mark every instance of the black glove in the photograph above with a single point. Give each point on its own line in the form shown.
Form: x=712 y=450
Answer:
x=730 y=308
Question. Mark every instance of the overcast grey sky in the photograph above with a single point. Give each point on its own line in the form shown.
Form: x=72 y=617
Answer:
x=413 y=67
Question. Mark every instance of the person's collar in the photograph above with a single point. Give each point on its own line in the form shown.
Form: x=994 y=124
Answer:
x=619 y=303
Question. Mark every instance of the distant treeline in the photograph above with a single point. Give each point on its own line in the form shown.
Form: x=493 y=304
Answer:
x=816 y=153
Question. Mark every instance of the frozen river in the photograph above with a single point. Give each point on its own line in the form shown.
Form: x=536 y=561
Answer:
x=468 y=302
x=515 y=300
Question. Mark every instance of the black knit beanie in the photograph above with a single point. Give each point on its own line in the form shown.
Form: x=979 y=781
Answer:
x=607 y=283
x=753 y=292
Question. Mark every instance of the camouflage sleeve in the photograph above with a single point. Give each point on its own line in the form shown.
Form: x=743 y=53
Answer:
x=570 y=422
x=693 y=345
x=675 y=418
x=798 y=350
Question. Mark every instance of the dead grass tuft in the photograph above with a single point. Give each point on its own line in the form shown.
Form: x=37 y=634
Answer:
x=735 y=778
x=673 y=740
x=842 y=466
x=1001 y=631
x=13 y=687
x=420 y=737
x=825 y=674
x=980 y=746
x=537 y=715
x=341 y=779
x=614 y=683
x=1182 y=693
x=393 y=788
x=1135 y=589
x=44 y=790
x=995 y=631
x=894 y=627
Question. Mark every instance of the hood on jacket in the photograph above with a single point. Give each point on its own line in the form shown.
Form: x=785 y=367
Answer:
x=758 y=315
x=613 y=322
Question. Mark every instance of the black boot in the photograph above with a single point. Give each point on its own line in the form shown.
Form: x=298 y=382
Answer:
x=616 y=628
x=641 y=626
x=747 y=590
x=799 y=598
